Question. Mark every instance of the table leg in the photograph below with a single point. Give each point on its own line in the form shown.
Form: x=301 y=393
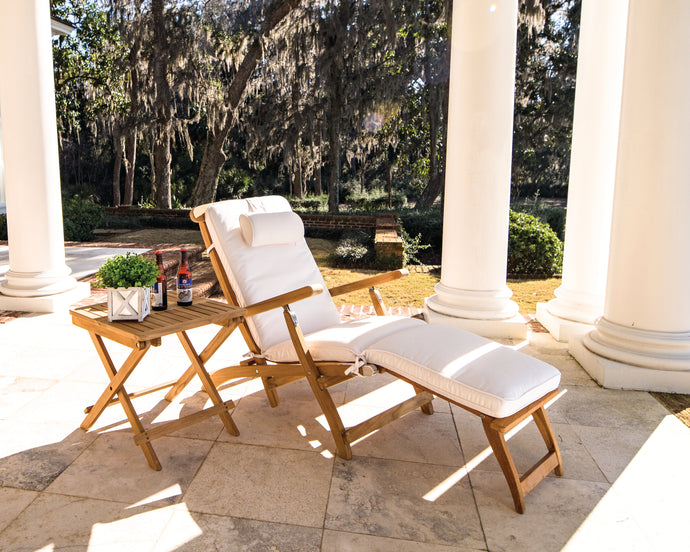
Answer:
x=206 y=354
x=207 y=383
x=117 y=381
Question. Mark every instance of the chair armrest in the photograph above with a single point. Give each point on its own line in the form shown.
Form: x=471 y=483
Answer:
x=369 y=282
x=283 y=299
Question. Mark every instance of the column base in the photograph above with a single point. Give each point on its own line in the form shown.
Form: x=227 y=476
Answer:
x=658 y=350
x=46 y=303
x=613 y=374
x=510 y=328
x=38 y=284
x=560 y=328
x=473 y=304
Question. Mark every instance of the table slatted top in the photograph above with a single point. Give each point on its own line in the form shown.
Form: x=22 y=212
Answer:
x=157 y=324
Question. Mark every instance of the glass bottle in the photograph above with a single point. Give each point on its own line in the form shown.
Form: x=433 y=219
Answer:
x=184 y=281
x=159 y=297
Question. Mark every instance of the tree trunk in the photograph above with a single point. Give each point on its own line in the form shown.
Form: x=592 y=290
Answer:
x=211 y=164
x=130 y=162
x=389 y=182
x=163 y=107
x=436 y=134
x=134 y=92
x=163 y=159
x=318 y=186
x=117 y=165
x=152 y=162
x=296 y=176
x=334 y=151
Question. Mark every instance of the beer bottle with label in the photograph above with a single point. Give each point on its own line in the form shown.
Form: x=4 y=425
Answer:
x=184 y=281
x=159 y=297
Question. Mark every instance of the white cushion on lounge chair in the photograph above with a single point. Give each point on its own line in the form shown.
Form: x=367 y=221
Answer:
x=344 y=342
x=259 y=229
x=463 y=367
x=259 y=273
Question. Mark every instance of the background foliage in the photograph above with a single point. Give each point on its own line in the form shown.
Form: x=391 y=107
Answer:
x=338 y=104
x=341 y=98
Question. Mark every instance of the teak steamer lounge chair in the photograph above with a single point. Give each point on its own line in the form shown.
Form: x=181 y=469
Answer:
x=293 y=331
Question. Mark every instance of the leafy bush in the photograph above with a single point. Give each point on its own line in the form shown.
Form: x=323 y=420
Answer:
x=80 y=218
x=553 y=216
x=312 y=203
x=3 y=227
x=533 y=247
x=353 y=250
x=375 y=200
x=233 y=183
x=126 y=271
x=412 y=246
x=384 y=263
x=350 y=253
x=428 y=225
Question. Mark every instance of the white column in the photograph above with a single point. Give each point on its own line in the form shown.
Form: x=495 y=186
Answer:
x=472 y=293
x=601 y=52
x=643 y=339
x=32 y=176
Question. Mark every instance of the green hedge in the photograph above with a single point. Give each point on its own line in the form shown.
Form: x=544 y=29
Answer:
x=80 y=218
x=428 y=225
x=553 y=216
x=376 y=200
x=310 y=204
x=533 y=247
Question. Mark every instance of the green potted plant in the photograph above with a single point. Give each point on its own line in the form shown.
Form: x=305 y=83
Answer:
x=128 y=279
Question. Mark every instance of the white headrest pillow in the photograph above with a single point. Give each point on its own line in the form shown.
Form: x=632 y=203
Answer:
x=271 y=228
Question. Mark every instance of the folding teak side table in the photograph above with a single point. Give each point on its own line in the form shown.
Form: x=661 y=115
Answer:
x=140 y=337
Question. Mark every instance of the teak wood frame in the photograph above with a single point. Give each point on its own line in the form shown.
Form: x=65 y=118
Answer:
x=323 y=375
x=140 y=337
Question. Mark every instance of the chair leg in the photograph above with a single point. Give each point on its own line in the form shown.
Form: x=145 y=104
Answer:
x=427 y=408
x=495 y=430
x=335 y=422
x=499 y=446
x=323 y=397
x=271 y=393
x=544 y=426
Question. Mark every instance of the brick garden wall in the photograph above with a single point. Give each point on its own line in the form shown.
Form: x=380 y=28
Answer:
x=386 y=241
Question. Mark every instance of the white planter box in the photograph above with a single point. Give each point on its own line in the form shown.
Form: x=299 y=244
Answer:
x=132 y=304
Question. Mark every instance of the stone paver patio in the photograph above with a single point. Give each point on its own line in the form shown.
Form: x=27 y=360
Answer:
x=424 y=483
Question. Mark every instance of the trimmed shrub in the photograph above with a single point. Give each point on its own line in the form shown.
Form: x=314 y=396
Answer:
x=80 y=218
x=350 y=253
x=375 y=200
x=310 y=204
x=353 y=251
x=553 y=216
x=533 y=247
